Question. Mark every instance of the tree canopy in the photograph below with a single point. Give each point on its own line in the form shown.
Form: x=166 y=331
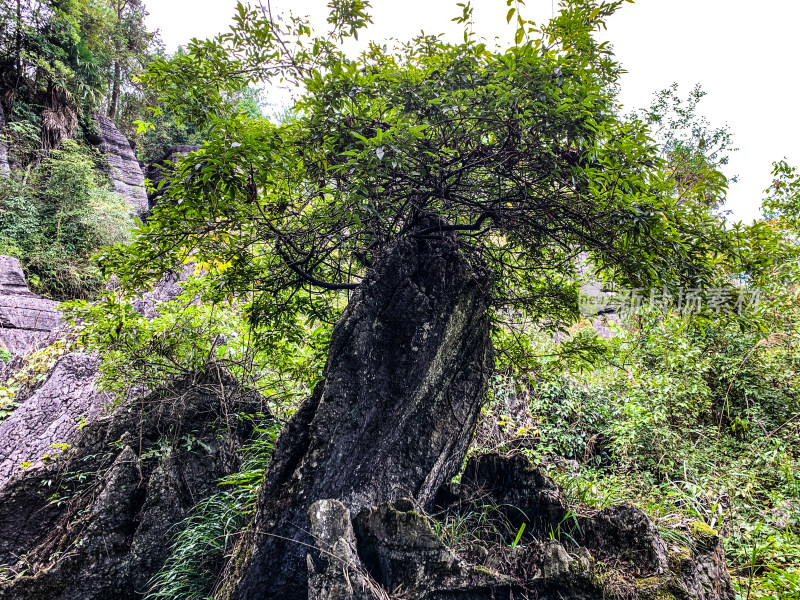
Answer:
x=523 y=151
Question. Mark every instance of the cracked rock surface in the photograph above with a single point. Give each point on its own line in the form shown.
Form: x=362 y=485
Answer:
x=97 y=523
x=26 y=319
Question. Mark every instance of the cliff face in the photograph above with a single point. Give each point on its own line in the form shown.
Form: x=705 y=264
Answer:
x=26 y=319
x=126 y=173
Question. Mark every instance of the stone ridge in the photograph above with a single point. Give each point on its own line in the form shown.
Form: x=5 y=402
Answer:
x=25 y=318
x=126 y=174
x=52 y=416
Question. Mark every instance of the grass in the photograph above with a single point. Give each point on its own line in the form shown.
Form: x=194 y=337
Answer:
x=205 y=539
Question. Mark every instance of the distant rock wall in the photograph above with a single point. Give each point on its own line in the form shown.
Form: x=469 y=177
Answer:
x=126 y=173
x=25 y=318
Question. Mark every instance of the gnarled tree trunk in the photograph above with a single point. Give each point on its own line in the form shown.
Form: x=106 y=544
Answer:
x=406 y=374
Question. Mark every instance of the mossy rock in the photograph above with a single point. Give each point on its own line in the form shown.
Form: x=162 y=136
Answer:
x=707 y=538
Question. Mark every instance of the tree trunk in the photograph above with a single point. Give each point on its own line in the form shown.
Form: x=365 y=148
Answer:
x=18 y=44
x=407 y=372
x=112 y=108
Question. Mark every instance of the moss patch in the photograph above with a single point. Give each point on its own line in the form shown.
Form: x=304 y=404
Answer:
x=702 y=531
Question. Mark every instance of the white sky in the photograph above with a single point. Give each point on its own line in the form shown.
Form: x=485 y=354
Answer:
x=743 y=53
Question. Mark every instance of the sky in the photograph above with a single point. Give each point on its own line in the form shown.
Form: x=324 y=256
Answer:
x=744 y=55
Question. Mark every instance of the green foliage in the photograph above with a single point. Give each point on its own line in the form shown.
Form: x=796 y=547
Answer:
x=522 y=153
x=694 y=151
x=208 y=535
x=56 y=216
x=692 y=418
x=783 y=201
x=193 y=330
x=68 y=53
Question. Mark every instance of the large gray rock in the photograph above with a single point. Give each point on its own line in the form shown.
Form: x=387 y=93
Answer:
x=521 y=492
x=126 y=174
x=615 y=552
x=336 y=573
x=26 y=319
x=51 y=416
x=97 y=523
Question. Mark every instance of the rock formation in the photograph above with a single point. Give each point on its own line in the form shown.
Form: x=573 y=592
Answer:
x=407 y=371
x=126 y=174
x=51 y=416
x=97 y=523
x=615 y=554
x=26 y=319
x=50 y=411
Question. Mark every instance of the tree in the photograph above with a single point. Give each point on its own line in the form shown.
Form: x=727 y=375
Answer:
x=130 y=44
x=504 y=163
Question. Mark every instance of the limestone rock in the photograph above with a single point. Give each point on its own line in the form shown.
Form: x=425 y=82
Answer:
x=126 y=174
x=51 y=416
x=26 y=319
x=101 y=528
x=68 y=397
x=407 y=370
x=625 y=533
x=335 y=573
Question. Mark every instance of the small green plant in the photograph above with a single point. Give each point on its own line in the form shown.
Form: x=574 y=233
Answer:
x=519 y=535
x=203 y=541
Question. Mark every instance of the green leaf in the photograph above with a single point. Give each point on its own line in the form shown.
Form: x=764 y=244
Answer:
x=519 y=535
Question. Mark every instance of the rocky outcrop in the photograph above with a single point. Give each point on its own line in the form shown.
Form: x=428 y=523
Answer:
x=51 y=416
x=523 y=494
x=160 y=169
x=624 y=533
x=50 y=411
x=26 y=319
x=614 y=554
x=126 y=174
x=96 y=524
x=407 y=372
